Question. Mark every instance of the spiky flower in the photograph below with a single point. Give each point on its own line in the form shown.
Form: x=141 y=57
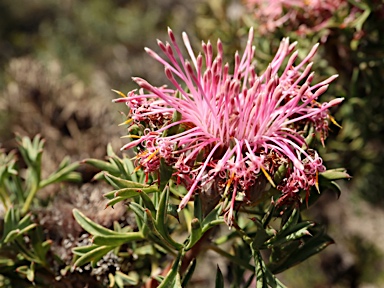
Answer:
x=301 y=16
x=230 y=126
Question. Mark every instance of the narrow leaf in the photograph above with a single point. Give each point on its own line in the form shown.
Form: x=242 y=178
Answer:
x=219 y=283
x=81 y=250
x=16 y=233
x=173 y=277
x=196 y=233
x=123 y=183
x=334 y=174
x=62 y=175
x=117 y=240
x=126 y=279
x=102 y=165
x=132 y=192
x=161 y=219
x=90 y=226
x=189 y=273
x=165 y=174
x=311 y=247
x=93 y=255
x=147 y=202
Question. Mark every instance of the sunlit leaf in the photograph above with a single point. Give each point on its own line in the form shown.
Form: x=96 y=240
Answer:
x=93 y=255
x=118 y=239
x=90 y=226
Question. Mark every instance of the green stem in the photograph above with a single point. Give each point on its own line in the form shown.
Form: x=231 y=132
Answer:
x=29 y=199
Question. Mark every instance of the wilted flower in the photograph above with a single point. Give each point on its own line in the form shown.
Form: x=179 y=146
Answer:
x=236 y=128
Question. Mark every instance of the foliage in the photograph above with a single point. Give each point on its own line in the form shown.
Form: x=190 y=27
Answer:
x=265 y=229
x=262 y=230
x=23 y=247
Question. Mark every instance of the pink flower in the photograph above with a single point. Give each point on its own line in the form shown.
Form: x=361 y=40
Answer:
x=301 y=16
x=230 y=125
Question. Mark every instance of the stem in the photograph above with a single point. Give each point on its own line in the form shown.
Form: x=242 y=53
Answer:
x=194 y=252
x=29 y=199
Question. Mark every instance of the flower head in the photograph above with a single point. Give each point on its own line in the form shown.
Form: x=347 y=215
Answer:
x=231 y=126
x=301 y=16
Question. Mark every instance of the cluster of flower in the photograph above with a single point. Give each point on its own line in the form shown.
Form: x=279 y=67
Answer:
x=301 y=16
x=232 y=127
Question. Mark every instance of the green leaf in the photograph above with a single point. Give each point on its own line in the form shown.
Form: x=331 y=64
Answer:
x=102 y=165
x=219 y=282
x=120 y=183
x=114 y=201
x=148 y=249
x=9 y=224
x=197 y=207
x=174 y=129
x=14 y=227
x=23 y=270
x=147 y=202
x=12 y=235
x=264 y=277
x=123 y=279
x=90 y=226
x=334 y=174
x=120 y=165
x=110 y=151
x=289 y=220
x=151 y=225
x=261 y=235
x=268 y=215
x=131 y=170
x=212 y=219
x=63 y=174
x=294 y=232
x=127 y=193
x=31 y=272
x=5 y=263
x=15 y=186
x=196 y=233
x=40 y=247
x=93 y=255
x=280 y=174
x=172 y=280
x=118 y=239
x=25 y=252
x=137 y=209
x=31 y=151
x=161 y=219
x=299 y=251
x=333 y=186
x=81 y=250
x=189 y=273
x=280 y=253
x=172 y=211
x=165 y=174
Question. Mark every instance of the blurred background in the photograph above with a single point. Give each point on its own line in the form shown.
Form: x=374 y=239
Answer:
x=59 y=61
